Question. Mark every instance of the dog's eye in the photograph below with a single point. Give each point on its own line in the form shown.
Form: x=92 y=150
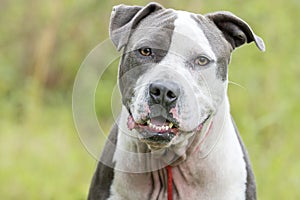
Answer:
x=202 y=61
x=145 y=51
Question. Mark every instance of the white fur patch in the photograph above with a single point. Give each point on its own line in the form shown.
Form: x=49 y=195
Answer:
x=188 y=34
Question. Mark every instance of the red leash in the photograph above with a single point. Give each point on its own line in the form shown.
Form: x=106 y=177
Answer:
x=170 y=190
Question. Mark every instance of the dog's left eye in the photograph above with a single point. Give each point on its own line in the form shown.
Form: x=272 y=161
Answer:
x=145 y=51
x=202 y=61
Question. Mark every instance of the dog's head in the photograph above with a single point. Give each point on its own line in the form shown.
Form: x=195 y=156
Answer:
x=173 y=72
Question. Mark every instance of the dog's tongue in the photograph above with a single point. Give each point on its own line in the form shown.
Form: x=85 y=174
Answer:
x=159 y=121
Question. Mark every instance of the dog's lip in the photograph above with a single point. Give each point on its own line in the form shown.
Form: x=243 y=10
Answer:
x=162 y=127
x=203 y=122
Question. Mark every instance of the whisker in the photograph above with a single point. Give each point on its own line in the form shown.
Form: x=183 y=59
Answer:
x=234 y=83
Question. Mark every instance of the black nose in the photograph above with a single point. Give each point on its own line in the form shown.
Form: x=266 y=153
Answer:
x=164 y=93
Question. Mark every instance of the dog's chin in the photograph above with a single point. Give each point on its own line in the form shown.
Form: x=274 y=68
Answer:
x=156 y=140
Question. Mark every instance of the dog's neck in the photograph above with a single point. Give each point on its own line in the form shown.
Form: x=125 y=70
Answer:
x=220 y=154
x=216 y=129
x=205 y=141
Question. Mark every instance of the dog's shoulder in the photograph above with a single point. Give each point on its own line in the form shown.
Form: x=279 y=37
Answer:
x=103 y=176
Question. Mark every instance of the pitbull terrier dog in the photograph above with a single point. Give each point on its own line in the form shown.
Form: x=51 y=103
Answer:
x=175 y=138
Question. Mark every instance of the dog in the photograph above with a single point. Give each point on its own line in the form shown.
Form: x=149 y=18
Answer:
x=175 y=137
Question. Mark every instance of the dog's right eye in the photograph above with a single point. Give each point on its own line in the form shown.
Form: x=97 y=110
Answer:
x=145 y=51
x=202 y=61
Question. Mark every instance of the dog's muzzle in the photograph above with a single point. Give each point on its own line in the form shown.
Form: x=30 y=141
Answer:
x=159 y=122
x=158 y=127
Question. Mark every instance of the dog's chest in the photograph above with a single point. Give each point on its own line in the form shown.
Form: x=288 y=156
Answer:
x=217 y=185
x=221 y=175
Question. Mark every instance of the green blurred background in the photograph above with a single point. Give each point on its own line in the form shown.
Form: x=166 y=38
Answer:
x=42 y=44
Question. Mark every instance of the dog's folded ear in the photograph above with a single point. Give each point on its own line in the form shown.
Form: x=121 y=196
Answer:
x=125 y=18
x=235 y=30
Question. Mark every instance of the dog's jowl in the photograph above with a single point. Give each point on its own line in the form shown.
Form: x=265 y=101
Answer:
x=175 y=138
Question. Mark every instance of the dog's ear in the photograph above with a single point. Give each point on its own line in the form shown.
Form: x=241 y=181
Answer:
x=235 y=30
x=125 y=18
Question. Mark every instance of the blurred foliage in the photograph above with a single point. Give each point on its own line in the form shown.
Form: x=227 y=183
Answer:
x=42 y=46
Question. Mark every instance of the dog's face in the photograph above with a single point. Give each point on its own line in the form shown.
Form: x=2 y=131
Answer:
x=173 y=72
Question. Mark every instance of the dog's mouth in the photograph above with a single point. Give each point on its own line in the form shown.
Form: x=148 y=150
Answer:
x=158 y=132
x=155 y=130
x=157 y=124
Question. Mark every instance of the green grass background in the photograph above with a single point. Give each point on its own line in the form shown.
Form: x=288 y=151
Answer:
x=42 y=45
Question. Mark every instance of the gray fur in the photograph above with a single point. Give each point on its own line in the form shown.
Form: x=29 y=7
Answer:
x=216 y=40
x=226 y=25
x=103 y=176
x=125 y=18
x=235 y=30
x=153 y=30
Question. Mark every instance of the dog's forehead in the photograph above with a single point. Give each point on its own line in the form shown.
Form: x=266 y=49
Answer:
x=194 y=31
x=189 y=36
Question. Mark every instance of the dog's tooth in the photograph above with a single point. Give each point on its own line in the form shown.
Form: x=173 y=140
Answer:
x=148 y=122
x=159 y=128
x=167 y=128
x=171 y=125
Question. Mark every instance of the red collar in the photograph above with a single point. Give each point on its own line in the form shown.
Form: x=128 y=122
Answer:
x=170 y=183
